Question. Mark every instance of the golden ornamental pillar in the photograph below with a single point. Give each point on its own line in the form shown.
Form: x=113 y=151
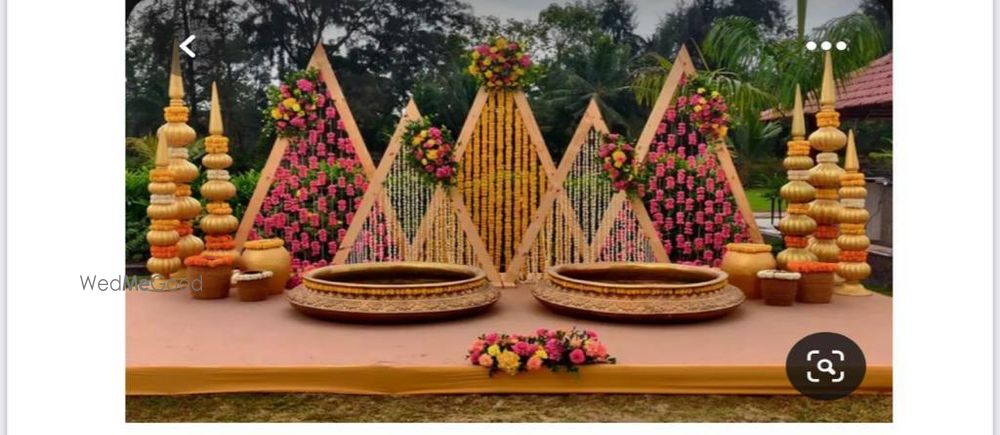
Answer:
x=853 y=242
x=162 y=235
x=796 y=226
x=219 y=224
x=179 y=135
x=825 y=176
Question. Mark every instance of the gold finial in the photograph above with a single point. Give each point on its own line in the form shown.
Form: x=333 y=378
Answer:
x=828 y=93
x=215 y=116
x=798 y=117
x=176 y=90
x=162 y=157
x=851 y=157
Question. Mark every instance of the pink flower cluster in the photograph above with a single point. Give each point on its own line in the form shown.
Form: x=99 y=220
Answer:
x=554 y=349
x=316 y=189
x=687 y=195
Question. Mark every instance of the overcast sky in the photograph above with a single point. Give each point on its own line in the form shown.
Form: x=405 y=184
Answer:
x=650 y=11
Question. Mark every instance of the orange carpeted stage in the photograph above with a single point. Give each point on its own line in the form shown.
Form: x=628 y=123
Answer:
x=177 y=345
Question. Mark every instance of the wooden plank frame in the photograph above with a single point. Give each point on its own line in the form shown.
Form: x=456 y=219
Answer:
x=682 y=66
x=557 y=192
x=542 y=152
x=376 y=192
x=321 y=63
x=465 y=223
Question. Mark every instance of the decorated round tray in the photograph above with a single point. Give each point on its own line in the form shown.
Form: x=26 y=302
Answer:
x=393 y=292
x=640 y=292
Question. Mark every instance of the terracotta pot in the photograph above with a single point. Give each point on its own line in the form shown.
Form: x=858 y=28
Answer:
x=815 y=287
x=209 y=282
x=252 y=285
x=779 y=287
x=269 y=255
x=742 y=261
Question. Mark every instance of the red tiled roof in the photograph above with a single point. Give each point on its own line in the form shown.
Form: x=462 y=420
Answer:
x=870 y=86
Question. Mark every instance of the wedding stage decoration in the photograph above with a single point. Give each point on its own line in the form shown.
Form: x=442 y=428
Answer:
x=392 y=245
x=556 y=350
x=162 y=211
x=317 y=171
x=219 y=224
x=797 y=225
x=393 y=292
x=825 y=176
x=179 y=136
x=852 y=241
x=638 y=292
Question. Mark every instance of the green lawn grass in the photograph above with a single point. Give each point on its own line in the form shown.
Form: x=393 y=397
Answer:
x=310 y=407
x=758 y=201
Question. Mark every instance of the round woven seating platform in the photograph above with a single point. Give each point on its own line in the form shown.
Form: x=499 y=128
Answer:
x=393 y=292
x=638 y=292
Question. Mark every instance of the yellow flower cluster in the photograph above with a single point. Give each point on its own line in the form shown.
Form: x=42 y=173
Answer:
x=509 y=362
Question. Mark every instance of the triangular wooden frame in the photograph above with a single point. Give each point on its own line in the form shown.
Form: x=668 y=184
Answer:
x=682 y=66
x=544 y=159
x=592 y=119
x=376 y=192
x=321 y=63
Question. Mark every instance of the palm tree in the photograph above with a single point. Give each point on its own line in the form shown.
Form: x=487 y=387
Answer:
x=757 y=72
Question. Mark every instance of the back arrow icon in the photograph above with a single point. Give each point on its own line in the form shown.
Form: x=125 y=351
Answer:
x=184 y=46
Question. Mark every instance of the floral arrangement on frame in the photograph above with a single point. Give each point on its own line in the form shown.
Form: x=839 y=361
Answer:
x=319 y=183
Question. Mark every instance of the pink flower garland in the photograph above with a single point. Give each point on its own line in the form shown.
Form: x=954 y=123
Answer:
x=687 y=194
x=316 y=188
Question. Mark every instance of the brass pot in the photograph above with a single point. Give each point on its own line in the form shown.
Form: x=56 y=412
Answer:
x=209 y=282
x=742 y=261
x=268 y=255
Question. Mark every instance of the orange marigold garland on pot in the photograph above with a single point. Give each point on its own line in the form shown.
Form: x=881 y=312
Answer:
x=501 y=63
x=430 y=149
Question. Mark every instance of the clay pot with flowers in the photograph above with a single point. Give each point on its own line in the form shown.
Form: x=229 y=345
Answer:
x=208 y=275
x=816 y=284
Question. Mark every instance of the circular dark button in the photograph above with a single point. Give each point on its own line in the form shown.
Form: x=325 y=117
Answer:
x=825 y=366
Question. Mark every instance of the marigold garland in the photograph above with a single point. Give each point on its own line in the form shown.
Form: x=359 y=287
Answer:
x=811 y=267
x=264 y=244
x=206 y=260
x=796 y=242
x=826 y=232
x=853 y=256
